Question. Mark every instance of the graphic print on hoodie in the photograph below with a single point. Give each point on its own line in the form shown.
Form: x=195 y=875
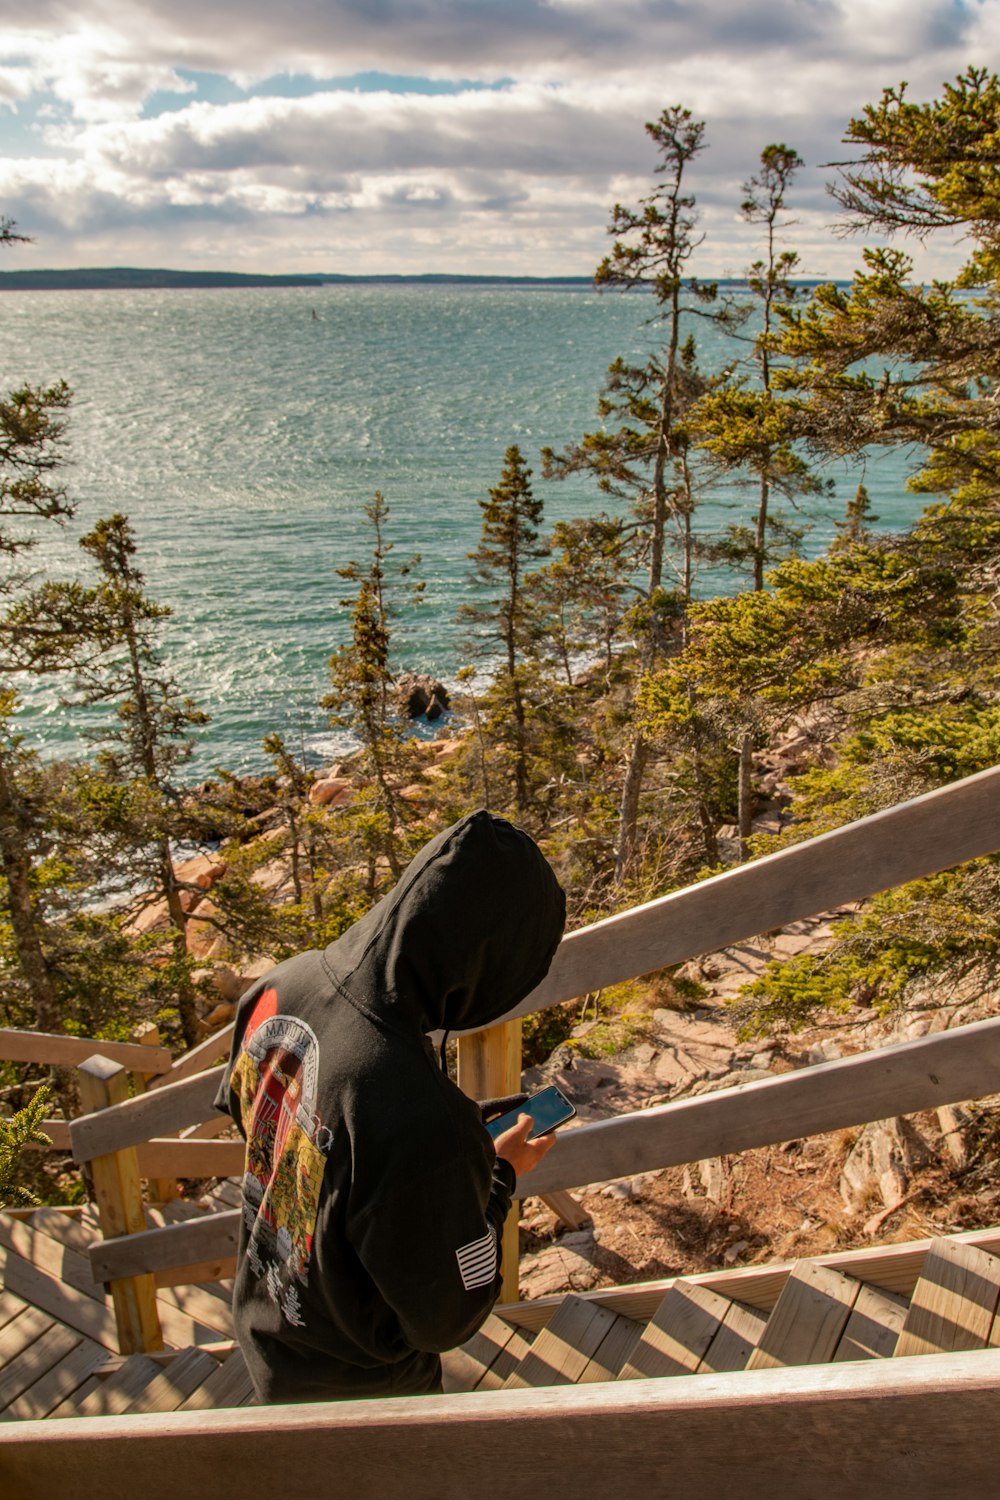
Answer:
x=275 y=1080
x=373 y=1200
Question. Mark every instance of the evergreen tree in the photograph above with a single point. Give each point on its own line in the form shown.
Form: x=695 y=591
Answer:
x=509 y=543
x=362 y=679
x=644 y=451
x=148 y=742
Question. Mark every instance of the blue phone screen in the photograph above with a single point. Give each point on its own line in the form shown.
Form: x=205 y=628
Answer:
x=547 y=1109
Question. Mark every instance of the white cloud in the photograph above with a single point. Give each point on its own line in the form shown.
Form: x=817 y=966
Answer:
x=517 y=178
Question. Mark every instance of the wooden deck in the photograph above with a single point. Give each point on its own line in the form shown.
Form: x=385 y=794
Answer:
x=59 y=1340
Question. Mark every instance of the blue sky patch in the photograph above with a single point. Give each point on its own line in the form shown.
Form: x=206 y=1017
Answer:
x=216 y=88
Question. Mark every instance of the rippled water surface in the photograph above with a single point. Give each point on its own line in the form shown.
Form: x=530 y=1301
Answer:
x=242 y=432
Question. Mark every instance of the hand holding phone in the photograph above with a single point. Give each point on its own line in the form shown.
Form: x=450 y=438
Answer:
x=525 y=1134
x=548 y=1109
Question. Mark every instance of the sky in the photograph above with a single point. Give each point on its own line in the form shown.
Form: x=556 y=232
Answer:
x=410 y=136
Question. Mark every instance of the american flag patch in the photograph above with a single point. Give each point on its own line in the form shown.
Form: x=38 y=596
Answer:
x=477 y=1261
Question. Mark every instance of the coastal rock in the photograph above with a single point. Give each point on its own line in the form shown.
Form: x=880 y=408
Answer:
x=333 y=792
x=418 y=695
x=203 y=870
x=881 y=1162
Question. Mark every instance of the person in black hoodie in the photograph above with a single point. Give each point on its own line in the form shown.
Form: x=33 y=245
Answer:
x=373 y=1196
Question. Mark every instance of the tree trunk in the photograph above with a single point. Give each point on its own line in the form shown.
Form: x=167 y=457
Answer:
x=760 y=536
x=628 y=818
x=24 y=922
x=745 y=805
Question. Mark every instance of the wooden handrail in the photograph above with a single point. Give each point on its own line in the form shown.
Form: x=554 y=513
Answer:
x=963 y=1063
x=917 y=838
x=899 y=1429
x=156 y=1113
x=55 y=1050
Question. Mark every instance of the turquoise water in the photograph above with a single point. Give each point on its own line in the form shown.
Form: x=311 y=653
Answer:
x=242 y=435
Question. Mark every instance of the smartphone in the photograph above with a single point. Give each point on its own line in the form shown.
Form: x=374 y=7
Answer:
x=549 y=1108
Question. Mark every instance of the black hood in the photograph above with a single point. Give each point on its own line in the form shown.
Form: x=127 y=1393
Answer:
x=470 y=928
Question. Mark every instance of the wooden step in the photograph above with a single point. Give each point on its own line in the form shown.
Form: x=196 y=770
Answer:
x=873 y=1327
x=228 y=1385
x=67 y=1229
x=468 y=1368
x=808 y=1319
x=113 y=1396
x=613 y=1352
x=954 y=1302
x=561 y=1352
x=34 y=1360
x=173 y=1385
x=61 y=1382
x=679 y=1334
x=735 y=1341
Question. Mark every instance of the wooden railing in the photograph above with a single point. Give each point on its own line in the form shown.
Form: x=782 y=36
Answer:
x=931 y=833
x=902 y=1429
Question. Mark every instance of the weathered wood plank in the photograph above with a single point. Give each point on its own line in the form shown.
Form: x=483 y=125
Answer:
x=735 y=1341
x=155 y=1113
x=190 y=1158
x=56 y=1259
x=22 y=1331
x=10 y=1306
x=61 y=1382
x=943 y=828
x=873 y=1327
x=566 y=1208
x=56 y=1050
x=953 y=1303
x=963 y=1063
x=67 y=1229
x=208 y=1237
x=214 y=1271
x=118 y=1194
x=62 y=1303
x=506 y=1362
x=35 y=1360
x=176 y=1383
x=678 y=1335
x=112 y=1397
x=562 y=1350
x=206 y=1308
x=229 y=1385
x=614 y=1351
x=808 y=1319
x=896 y=1429
x=465 y=1366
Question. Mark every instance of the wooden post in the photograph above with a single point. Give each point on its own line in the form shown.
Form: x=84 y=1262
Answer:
x=163 y=1189
x=489 y=1066
x=119 y=1207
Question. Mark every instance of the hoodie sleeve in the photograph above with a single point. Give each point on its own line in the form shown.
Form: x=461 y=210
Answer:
x=432 y=1247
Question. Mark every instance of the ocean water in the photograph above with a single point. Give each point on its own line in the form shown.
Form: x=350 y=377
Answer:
x=242 y=432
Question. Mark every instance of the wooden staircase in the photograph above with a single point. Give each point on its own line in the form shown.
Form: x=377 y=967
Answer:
x=821 y=1316
x=58 y=1334
x=59 y=1338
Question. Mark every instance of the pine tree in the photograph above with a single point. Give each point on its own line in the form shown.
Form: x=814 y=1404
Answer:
x=509 y=543
x=148 y=742
x=362 y=679
x=643 y=450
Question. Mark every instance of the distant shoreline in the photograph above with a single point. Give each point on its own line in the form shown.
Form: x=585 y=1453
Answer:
x=127 y=278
